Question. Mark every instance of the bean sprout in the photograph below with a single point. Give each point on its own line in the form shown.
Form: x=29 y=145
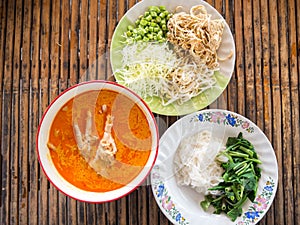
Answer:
x=152 y=69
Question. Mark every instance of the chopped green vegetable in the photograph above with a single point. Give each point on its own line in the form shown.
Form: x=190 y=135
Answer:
x=151 y=26
x=241 y=176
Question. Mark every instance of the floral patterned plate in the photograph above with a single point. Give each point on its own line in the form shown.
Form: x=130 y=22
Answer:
x=181 y=205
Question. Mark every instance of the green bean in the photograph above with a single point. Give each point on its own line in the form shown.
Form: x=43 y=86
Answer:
x=156 y=29
x=150 y=36
x=144 y=22
x=141 y=32
x=162 y=15
x=147 y=14
x=163 y=21
x=148 y=18
x=162 y=8
x=151 y=26
x=138 y=37
x=151 y=29
x=154 y=8
x=128 y=33
x=153 y=14
x=145 y=39
x=130 y=28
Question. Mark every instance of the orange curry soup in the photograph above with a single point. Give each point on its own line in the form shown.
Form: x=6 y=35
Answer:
x=130 y=131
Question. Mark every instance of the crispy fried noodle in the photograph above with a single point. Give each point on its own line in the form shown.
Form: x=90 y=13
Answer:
x=198 y=33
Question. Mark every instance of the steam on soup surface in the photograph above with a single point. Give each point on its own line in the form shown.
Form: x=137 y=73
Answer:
x=100 y=140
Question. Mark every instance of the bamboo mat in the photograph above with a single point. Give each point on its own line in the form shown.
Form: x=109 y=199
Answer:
x=47 y=46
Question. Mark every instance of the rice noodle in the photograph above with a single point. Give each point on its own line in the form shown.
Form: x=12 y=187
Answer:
x=198 y=33
x=195 y=163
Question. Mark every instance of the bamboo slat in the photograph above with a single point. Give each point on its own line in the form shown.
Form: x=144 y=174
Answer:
x=73 y=79
x=232 y=86
x=294 y=24
x=257 y=64
x=24 y=114
x=74 y=43
x=239 y=68
x=62 y=209
x=142 y=204
x=111 y=211
x=266 y=74
x=111 y=21
x=43 y=209
x=100 y=214
x=221 y=101
x=83 y=51
x=248 y=57
x=153 y=209
x=53 y=217
x=102 y=43
x=286 y=112
x=2 y=45
x=92 y=45
x=34 y=113
x=276 y=103
x=121 y=211
x=266 y=77
x=55 y=44
x=14 y=158
x=2 y=40
x=64 y=48
x=6 y=131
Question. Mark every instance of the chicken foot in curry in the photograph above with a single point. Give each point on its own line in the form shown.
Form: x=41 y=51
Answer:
x=100 y=154
x=97 y=156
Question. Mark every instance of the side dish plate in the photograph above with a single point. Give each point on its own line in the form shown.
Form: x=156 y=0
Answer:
x=223 y=76
x=181 y=205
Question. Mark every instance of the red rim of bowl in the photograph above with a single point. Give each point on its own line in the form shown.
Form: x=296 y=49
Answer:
x=103 y=82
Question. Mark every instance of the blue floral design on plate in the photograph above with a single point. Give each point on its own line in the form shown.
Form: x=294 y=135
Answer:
x=160 y=190
x=259 y=205
x=252 y=215
x=225 y=118
x=164 y=199
x=178 y=217
x=200 y=117
x=231 y=120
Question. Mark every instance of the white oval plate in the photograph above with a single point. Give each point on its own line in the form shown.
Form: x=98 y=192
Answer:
x=226 y=67
x=181 y=205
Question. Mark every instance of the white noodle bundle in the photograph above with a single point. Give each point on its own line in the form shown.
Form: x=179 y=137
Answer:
x=195 y=163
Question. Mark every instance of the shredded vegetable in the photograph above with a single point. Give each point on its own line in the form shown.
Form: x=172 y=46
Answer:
x=152 y=69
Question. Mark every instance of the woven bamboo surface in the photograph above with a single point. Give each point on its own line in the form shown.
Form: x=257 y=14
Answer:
x=47 y=46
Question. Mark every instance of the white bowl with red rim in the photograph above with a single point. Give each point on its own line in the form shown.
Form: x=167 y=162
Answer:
x=44 y=153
